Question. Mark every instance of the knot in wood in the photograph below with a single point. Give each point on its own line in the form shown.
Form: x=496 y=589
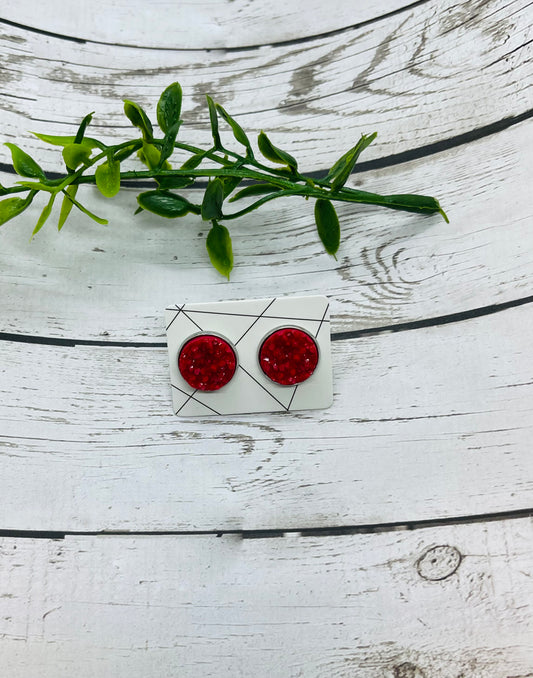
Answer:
x=408 y=670
x=438 y=563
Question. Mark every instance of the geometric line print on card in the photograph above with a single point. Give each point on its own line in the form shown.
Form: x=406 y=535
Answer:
x=175 y=316
x=264 y=388
x=246 y=324
x=191 y=396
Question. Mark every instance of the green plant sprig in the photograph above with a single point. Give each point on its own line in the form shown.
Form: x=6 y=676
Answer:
x=227 y=171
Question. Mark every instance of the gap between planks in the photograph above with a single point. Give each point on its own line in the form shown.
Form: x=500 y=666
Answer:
x=244 y=48
x=375 y=528
x=426 y=425
x=399 y=62
x=411 y=154
x=436 y=321
x=442 y=603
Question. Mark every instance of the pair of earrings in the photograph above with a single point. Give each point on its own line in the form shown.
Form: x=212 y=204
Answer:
x=287 y=356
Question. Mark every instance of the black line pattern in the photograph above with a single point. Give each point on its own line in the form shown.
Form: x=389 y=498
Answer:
x=292 y=397
x=264 y=388
x=189 y=318
x=322 y=321
x=191 y=397
x=258 y=317
x=174 y=318
x=254 y=315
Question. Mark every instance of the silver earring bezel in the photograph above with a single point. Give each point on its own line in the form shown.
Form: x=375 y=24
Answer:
x=288 y=327
x=207 y=333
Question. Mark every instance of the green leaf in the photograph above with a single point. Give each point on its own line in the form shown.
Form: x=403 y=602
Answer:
x=255 y=189
x=169 y=181
x=193 y=161
x=83 y=209
x=66 y=205
x=342 y=169
x=138 y=118
x=237 y=130
x=168 y=142
x=169 y=107
x=75 y=155
x=327 y=224
x=166 y=204
x=36 y=186
x=275 y=154
x=151 y=157
x=107 y=177
x=230 y=184
x=213 y=118
x=12 y=207
x=23 y=164
x=219 y=248
x=213 y=199
x=419 y=204
x=83 y=126
x=125 y=152
x=44 y=215
x=64 y=141
x=50 y=183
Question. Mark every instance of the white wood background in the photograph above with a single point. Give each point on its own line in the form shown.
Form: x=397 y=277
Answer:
x=448 y=601
x=431 y=425
x=427 y=423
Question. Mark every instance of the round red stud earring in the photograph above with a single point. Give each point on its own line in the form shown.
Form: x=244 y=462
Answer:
x=288 y=356
x=207 y=362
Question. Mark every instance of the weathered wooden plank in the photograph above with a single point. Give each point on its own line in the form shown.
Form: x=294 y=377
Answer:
x=113 y=282
x=197 y=25
x=441 y=602
x=433 y=72
x=425 y=424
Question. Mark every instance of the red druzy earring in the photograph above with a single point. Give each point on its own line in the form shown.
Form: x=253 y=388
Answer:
x=252 y=355
x=207 y=362
x=288 y=356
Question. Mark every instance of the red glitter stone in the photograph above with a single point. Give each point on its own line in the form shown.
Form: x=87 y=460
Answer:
x=207 y=362
x=288 y=356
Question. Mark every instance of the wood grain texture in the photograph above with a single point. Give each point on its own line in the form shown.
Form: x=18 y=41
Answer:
x=328 y=607
x=112 y=283
x=194 y=24
x=431 y=73
x=425 y=424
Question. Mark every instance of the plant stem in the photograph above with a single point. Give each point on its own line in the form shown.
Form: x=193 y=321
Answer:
x=258 y=203
x=288 y=184
x=426 y=205
x=220 y=176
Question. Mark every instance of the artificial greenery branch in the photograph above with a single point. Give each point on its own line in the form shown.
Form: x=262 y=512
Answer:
x=225 y=173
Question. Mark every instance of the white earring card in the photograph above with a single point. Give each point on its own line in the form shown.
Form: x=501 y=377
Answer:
x=284 y=339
